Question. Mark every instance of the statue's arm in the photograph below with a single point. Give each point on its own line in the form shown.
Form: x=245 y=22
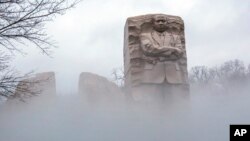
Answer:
x=178 y=44
x=176 y=47
x=148 y=48
x=175 y=50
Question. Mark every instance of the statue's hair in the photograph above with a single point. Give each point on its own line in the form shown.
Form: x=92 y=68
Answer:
x=153 y=17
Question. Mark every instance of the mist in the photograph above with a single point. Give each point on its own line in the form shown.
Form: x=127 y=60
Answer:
x=206 y=116
x=90 y=39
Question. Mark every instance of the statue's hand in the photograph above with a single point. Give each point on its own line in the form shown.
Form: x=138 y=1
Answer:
x=178 y=51
x=167 y=53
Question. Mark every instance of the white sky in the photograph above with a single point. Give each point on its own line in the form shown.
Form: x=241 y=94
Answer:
x=90 y=36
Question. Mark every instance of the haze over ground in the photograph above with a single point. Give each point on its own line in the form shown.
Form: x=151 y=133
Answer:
x=90 y=38
x=207 y=117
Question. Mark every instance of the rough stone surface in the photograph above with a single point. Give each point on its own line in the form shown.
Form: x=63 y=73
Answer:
x=96 y=89
x=43 y=85
x=154 y=54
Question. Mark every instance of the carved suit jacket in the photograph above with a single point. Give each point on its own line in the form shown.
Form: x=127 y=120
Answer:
x=157 y=68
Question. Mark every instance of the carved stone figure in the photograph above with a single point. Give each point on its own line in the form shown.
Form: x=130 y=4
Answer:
x=155 y=57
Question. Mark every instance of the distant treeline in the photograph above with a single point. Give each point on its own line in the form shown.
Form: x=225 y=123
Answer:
x=232 y=76
x=229 y=71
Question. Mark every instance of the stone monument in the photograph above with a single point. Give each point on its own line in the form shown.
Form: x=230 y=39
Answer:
x=38 y=88
x=96 y=89
x=155 y=60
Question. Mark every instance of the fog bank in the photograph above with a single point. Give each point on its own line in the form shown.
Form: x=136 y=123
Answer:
x=67 y=117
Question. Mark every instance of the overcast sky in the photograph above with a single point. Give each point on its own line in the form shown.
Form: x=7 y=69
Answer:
x=90 y=37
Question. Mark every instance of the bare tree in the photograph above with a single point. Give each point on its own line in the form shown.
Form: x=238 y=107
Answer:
x=201 y=74
x=118 y=76
x=231 y=76
x=15 y=85
x=233 y=70
x=229 y=71
x=23 y=20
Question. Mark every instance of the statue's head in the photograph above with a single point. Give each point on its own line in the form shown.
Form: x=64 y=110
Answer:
x=159 y=23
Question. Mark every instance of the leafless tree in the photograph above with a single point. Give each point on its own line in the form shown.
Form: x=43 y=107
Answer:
x=118 y=76
x=15 y=85
x=22 y=23
x=233 y=71
x=201 y=74
x=23 y=20
x=230 y=70
x=231 y=76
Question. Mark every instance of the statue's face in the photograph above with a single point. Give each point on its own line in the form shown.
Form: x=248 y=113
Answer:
x=160 y=23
